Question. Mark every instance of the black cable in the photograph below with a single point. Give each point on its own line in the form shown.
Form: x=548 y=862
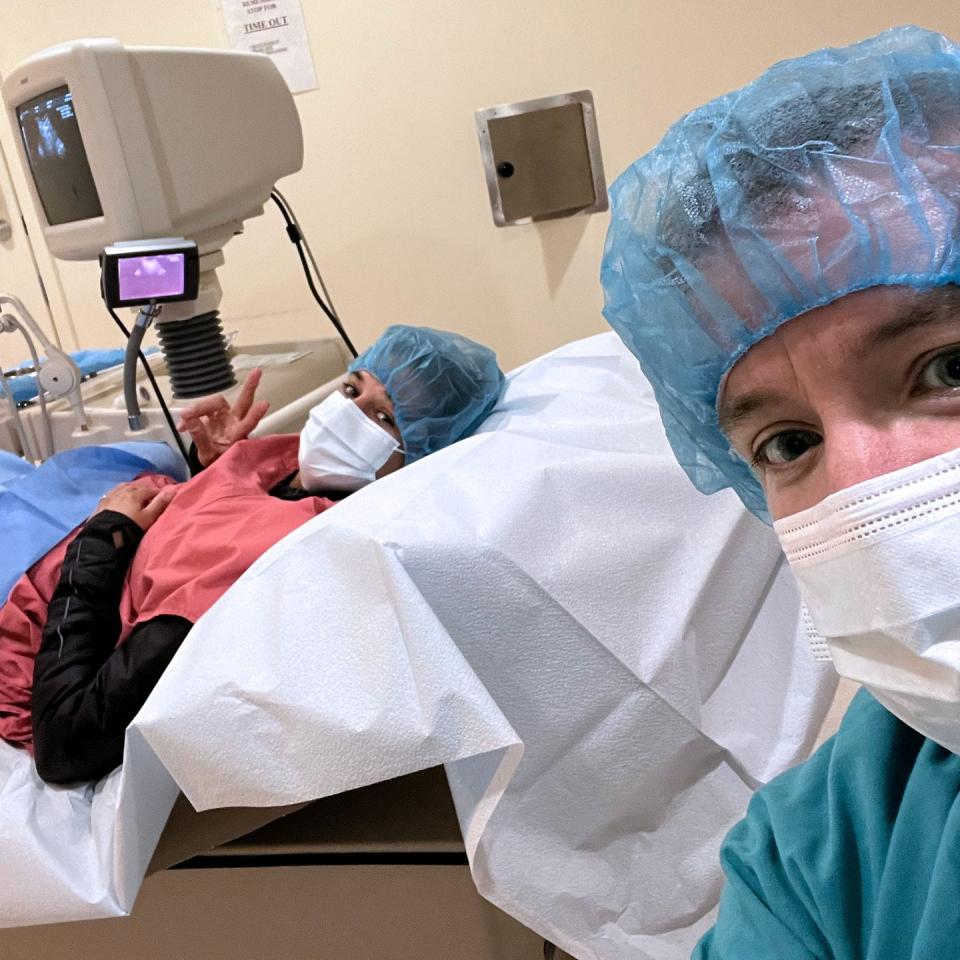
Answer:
x=296 y=239
x=156 y=389
x=309 y=251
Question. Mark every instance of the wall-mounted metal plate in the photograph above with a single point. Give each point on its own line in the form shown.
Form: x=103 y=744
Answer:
x=542 y=158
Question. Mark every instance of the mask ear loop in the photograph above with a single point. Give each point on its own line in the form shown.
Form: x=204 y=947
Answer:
x=818 y=644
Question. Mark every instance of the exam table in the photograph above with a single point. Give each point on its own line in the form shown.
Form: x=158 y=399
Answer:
x=376 y=872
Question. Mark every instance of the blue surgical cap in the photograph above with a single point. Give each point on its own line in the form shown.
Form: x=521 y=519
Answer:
x=442 y=385
x=829 y=174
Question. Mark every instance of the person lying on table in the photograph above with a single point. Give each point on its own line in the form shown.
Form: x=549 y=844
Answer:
x=156 y=555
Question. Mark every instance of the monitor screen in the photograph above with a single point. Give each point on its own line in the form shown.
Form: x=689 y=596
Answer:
x=58 y=161
x=147 y=278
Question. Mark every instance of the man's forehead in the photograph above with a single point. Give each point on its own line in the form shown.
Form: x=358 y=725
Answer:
x=856 y=326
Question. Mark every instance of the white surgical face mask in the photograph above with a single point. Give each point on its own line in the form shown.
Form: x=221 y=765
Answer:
x=341 y=448
x=879 y=570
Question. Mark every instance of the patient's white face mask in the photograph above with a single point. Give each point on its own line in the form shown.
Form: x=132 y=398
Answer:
x=341 y=448
x=879 y=569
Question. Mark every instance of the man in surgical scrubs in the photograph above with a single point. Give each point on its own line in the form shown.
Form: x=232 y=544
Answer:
x=786 y=266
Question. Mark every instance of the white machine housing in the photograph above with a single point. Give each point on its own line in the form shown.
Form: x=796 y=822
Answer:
x=296 y=377
x=167 y=136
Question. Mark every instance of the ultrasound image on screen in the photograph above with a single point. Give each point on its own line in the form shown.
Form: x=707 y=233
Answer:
x=58 y=161
x=146 y=278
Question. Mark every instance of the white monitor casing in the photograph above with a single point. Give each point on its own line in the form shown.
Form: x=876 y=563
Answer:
x=180 y=142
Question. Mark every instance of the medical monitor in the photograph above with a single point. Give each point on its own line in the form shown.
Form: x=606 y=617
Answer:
x=127 y=143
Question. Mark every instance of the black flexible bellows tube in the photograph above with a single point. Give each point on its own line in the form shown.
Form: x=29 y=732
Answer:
x=196 y=355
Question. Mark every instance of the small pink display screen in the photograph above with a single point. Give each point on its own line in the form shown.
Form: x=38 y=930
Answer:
x=144 y=278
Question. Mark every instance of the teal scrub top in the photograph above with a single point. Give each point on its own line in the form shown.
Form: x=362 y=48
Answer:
x=853 y=855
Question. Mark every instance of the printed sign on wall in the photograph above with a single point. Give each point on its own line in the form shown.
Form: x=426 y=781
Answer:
x=276 y=28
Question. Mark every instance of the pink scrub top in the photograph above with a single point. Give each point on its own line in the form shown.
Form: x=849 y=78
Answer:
x=216 y=526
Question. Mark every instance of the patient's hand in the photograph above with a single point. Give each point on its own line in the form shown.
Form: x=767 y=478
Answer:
x=214 y=425
x=141 y=502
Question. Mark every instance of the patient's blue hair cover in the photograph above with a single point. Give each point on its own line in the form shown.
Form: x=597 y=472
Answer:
x=442 y=385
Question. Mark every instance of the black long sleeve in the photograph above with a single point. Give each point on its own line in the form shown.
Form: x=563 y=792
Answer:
x=86 y=690
x=193 y=461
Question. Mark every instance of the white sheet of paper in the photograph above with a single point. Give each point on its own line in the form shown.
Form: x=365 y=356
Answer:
x=276 y=28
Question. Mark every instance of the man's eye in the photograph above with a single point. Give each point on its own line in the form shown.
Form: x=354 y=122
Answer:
x=385 y=418
x=942 y=372
x=350 y=390
x=785 y=447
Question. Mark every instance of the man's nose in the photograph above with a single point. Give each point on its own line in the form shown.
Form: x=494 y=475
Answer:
x=856 y=451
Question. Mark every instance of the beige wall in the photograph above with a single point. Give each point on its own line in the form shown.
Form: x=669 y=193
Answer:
x=392 y=194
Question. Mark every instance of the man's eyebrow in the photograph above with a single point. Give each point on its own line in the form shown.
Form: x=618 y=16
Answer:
x=920 y=316
x=732 y=412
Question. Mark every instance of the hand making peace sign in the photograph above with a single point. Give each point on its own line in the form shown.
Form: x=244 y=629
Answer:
x=214 y=425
